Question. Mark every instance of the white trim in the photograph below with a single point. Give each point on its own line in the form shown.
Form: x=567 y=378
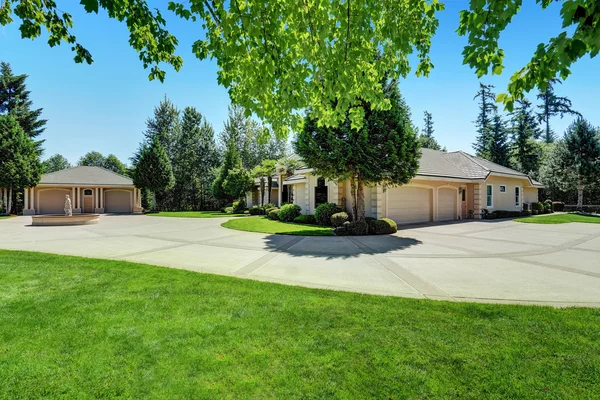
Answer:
x=520 y=202
x=486 y=195
x=445 y=179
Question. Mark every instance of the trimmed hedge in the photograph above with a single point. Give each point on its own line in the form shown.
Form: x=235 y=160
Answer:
x=338 y=219
x=256 y=210
x=273 y=214
x=305 y=219
x=537 y=206
x=354 y=228
x=383 y=226
x=324 y=212
x=289 y=212
x=239 y=206
x=498 y=214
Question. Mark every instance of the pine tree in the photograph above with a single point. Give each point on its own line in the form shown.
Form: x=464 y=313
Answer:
x=487 y=109
x=428 y=128
x=552 y=105
x=499 y=148
x=153 y=170
x=231 y=161
x=426 y=139
x=55 y=163
x=525 y=129
x=165 y=126
x=14 y=100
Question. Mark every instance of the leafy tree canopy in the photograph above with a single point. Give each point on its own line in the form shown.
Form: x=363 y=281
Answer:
x=55 y=163
x=92 y=159
x=112 y=163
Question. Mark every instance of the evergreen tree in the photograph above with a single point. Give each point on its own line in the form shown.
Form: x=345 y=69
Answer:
x=112 y=163
x=426 y=139
x=14 y=100
x=487 y=110
x=92 y=159
x=237 y=183
x=153 y=170
x=499 y=148
x=583 y=156
x=552 y=105
x=525 y=129
x=165 y=126
x=55 y=163
x=231 y=161
x=384 y=151
x=21 y=167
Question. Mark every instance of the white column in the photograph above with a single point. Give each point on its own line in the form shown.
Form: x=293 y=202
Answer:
x=32 y=202
x=96 y=198
x=307 y=197
x=280 y=191
x=134 y=197
x=139 y=198
x=73 y=197
x=26 y=199
x=79 y=198
x=101 y=197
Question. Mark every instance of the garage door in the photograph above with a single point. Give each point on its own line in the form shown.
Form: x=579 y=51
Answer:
x=117 y=201
x=409 y=205
x=446 y=204
x=52 y=201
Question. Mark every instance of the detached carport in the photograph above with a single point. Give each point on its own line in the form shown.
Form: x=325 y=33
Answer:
x=91 y=189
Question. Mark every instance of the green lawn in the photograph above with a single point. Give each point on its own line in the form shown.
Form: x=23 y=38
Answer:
x=5 y=216
x=194 y=214
x=559 y=219
x=77 y=327
x=265 y=225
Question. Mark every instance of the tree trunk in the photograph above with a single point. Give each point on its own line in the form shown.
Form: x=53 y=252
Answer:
x=153 y=201
x=269 y=186
x=360 y=200
x=579 y=196
x=9 y=205
x=354 y=197
x=262 y=192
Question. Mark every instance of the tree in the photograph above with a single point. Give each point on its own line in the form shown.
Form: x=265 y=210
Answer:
x=499 y=149
x=324 y=58
x=238 y=182
x=552 y=105
x=153 y=170
x=92 y=159
x=165 y=126
x=487 y=109
x=21 y=167
x=525 y=129
x=426 y=139
x=269 y=167
x=231 y=161
x=112 y=163
x=384 y=150
x=286 y=166
x=55 y=163
x=14 y=100
x=583 y=155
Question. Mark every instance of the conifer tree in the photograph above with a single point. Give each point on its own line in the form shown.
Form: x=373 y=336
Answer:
x=231 y=161
x=499 y=149
x=525 y=130
x=552 y=105
x=153 y=170
x=483 y=123
x=165 y=126
x=426 y=139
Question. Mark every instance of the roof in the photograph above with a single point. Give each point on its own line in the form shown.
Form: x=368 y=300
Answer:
x=85 y=176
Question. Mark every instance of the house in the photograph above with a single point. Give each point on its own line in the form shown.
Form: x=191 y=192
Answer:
x=448 y=186
x=92 y=190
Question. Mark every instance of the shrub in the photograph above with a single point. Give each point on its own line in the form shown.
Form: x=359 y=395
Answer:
x=498 y=214
x=558 y=206
x=537 y=206
x=256 y=210
x=324 y=212
x=357 y=228
x=289 y=212
x=525 y=207
x=274 y=214
x=228 y=210
x=383 y=226
x=305 y=219
x=224 y=208
x=535 y=212
x=338 y=219
x=239 y=206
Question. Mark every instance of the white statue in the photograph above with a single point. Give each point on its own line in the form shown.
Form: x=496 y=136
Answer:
x=68 y=207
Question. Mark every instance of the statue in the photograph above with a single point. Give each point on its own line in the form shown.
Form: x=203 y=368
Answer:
x=68 y=207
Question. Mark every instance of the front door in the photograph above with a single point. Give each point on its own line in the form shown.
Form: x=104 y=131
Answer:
x=463 y=203
x=88 y=201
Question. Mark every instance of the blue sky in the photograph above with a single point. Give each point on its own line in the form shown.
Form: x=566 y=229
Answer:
x=104 y=106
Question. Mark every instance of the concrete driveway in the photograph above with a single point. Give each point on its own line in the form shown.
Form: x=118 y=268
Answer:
x=471 y=261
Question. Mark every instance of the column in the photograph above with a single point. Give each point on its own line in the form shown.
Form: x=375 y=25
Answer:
x=73 y=197
x=307 y=197
x=477 y=200
x=134 y=198
x=280 y=191
x=97 y=198
x=102 y=198
x=26 y=199
x=32 y=202
x=377 y=201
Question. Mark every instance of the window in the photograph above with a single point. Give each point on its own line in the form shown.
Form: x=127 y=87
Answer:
x=490 y=199
x=320 y=192
x=87 y=192
x=517 y=197
x=502 y=188
x=464 y=195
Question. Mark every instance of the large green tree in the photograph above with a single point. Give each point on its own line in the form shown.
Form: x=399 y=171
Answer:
x=231 y=161
x=385 y=150
x=525 y=129
x=426 y=138
x=55 y=163
x=153 y=170
x=112 y=163
x=92 y=159
x=14 y=100
x=483 y=123
x=552 y=105
x=499 y=147
x=165 y=125
x=20 y=164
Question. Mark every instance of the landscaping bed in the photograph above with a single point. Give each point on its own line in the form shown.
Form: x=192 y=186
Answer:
x=265 y=225
x=74 y=327
x=194 y=214
x=561 y=219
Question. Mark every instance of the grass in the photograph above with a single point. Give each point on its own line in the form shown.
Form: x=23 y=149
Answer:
x=194 y=214
x=5 y=216
x=74 y=327
x=560 y=219
x=265 y=225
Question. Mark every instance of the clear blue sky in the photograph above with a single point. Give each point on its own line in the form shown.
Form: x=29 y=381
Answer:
x=104 y=106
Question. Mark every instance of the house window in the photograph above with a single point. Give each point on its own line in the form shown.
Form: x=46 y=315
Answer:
x=517 y=197
x=464 y=195
x=490 y=199
x=320 y=192
x=87 y=192
x=502 y=188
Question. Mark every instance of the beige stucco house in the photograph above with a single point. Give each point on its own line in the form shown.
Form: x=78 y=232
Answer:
x=92 y=190
x=448 y=186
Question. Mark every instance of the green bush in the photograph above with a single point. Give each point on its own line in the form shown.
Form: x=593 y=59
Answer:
x=537 y=206
x=239 y=206
x=535 y=212
x=525 y=207
x=338 y=219
x=256 y=210
x=228 y=210
x=558 y=206
x=305 y=219
x=498 y=214
x=354 y=228
x=324 y=212
x=274 y=214
x=289 y=212
x=383 y=226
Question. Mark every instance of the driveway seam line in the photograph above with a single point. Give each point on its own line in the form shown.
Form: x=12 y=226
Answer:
x=266 y=258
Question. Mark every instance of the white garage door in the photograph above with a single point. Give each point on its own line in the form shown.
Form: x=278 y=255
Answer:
x=52 y=201
x=117 y=201
x=409 y=205
x=446 y=204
